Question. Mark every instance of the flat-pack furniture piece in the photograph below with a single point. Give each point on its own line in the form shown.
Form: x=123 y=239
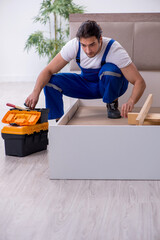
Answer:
x=143 y=117
x=85 y=144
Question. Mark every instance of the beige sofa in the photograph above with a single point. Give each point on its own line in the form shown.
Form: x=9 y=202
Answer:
x=139 y=34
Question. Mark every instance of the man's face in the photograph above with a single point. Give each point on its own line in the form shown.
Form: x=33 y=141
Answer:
x=91 y=46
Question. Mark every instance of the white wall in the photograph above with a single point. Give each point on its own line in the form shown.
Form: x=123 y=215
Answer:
x=16 y=23
x=120 y=6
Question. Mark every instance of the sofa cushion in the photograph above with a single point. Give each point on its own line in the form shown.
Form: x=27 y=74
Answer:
x=147 y=45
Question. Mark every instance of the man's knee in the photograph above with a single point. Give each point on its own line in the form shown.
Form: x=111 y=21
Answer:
x=112 y=83
x=110 y=70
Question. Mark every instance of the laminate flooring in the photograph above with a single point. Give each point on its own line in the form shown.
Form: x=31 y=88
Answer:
x=32 y=207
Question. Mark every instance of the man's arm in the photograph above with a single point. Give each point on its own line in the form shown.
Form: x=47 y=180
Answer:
x=133 y=76
x=53 y=67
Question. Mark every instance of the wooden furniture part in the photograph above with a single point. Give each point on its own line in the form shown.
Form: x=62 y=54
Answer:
x=143 y=113
x=143 y=117
x=151 y=119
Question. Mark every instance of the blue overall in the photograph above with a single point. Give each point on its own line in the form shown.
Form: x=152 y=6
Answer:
x=106 y=82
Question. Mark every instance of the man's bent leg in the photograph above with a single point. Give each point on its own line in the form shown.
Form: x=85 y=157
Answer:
x=112 y=85
x=54 y=102
x=69 y=84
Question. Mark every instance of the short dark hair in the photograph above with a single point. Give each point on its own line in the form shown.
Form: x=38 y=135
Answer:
x=89 y=29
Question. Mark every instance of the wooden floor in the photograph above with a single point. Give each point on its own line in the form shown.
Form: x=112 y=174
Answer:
x=32 y=207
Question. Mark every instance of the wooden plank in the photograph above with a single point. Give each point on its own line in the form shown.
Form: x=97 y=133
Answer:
x=115 y=17
x=69 y=113
x=151 y=119
x=94 y=115
x=144 y=110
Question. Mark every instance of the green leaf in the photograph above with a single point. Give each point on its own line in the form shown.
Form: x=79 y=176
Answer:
x=50 y=10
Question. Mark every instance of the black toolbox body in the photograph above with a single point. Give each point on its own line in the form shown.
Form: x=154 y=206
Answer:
x=23 y=145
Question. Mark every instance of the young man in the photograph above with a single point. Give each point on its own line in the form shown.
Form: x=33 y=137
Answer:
x=105 y=67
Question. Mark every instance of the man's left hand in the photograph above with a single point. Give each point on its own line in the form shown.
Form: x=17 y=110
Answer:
x=127 y=107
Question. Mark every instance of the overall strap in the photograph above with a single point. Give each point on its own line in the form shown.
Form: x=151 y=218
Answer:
x=106 y=51
x=78 y=54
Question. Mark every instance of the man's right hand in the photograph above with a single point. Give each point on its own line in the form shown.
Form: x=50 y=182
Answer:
x=32 y=100
x=53 y=67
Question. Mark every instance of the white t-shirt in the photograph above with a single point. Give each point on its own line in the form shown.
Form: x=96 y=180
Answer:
x=117 y=54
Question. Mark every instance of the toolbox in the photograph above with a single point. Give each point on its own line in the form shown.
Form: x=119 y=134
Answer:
x=26 y=132
x=26 y=117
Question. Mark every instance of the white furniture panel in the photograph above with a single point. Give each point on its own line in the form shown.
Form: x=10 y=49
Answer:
x=103 y=151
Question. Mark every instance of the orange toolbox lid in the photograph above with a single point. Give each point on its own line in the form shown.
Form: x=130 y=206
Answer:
x=22 y=118
x=21 y=130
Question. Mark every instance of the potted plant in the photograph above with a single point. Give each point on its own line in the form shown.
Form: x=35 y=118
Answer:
x=52 y=13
